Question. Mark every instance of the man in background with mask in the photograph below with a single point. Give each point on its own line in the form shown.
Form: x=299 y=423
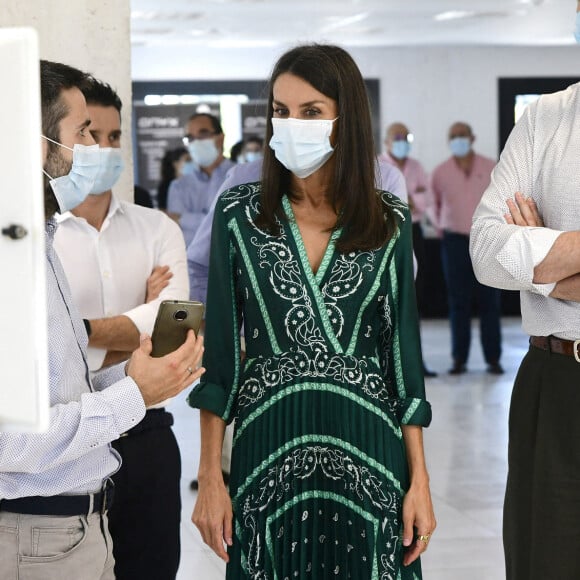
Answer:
x=191 y=196
x=525 y=237
x=54 y=492
x=398 y=143
x=121 y=261
x=458 y=185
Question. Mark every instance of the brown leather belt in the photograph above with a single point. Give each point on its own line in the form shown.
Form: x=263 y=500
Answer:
x=557 y=345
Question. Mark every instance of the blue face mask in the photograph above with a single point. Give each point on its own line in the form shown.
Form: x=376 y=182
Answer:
x=460 y=146
x=72 y=189
x=250 y=156
x=204 y=152
x=111 y=167
x=577 y=30
x=400 y=149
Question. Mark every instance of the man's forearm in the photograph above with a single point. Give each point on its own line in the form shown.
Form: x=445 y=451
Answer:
x=114 y=333
x=568 y=289
x=561 y=262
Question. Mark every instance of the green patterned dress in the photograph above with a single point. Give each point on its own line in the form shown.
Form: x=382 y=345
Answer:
x=332 y=370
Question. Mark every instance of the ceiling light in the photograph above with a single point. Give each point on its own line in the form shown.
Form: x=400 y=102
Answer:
x=338 y=22
x=453 y=15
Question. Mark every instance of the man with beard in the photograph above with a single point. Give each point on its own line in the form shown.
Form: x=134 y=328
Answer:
x=54 y=492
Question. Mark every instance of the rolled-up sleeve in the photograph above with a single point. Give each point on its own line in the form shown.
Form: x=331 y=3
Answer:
x=505 y=255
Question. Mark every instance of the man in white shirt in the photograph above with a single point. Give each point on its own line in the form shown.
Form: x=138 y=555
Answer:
x=191 y=196
x=54 y=495
x=121 y=261
x=532 y=245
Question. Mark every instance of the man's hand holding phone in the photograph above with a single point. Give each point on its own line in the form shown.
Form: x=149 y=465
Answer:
x=164 y=377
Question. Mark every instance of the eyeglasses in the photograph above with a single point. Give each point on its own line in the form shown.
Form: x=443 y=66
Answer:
x=409 y=137
x=203 y=134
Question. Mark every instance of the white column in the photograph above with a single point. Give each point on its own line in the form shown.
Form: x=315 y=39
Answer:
x=92 y=35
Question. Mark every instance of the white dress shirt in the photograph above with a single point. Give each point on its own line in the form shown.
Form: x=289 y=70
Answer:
x=108 y=269
x=541 y=160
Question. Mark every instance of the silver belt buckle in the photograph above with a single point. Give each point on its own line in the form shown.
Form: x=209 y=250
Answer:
x=576 y=354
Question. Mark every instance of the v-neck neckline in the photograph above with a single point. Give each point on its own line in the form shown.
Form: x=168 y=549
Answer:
x=314 y=278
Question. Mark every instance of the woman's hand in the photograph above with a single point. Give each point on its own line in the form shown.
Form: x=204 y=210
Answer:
x=523 y=212
x=417 y=515
x=213 y=514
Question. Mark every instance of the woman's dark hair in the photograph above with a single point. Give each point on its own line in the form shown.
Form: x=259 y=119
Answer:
x=367 y=223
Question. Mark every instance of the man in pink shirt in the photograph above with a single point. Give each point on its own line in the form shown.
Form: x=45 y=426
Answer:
x=458 y=185
x=398 y=143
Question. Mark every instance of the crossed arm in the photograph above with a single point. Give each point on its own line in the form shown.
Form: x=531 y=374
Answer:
x=118 y=334
x=562 y=263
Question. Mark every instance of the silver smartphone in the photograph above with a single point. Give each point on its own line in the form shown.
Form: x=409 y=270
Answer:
x=174 y=319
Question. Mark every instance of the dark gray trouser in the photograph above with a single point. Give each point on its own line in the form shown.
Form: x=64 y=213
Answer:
x=55 y=548
x=542 y=503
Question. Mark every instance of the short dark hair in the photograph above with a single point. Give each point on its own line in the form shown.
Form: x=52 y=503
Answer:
x=55 y=78
x=254 y=139
x=99 y=93
x=366 y=222
x=215 y=122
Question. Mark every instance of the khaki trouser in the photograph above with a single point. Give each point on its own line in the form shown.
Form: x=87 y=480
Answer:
x=55 y=548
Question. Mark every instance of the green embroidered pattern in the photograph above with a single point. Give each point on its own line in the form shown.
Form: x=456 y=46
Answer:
x=237 y=348
x=321 y=440
x=274 y=399
x=411 y=411
x=322 y=309
x=328 y=496
x=396 y=341
x=255 y=287
x=370 y=296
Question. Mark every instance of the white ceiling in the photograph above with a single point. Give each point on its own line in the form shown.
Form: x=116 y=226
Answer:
x=271 y=23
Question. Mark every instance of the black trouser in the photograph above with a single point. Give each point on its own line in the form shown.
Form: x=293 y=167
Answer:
x=420 y=256
x=145 y=517
x=542 y=504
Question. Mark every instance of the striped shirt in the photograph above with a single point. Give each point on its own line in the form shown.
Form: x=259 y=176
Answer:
x=74 y=455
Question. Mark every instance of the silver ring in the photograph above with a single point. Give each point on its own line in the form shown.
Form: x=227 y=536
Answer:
x=190 y=370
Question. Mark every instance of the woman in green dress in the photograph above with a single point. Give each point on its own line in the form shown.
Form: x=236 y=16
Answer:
x=328 y=475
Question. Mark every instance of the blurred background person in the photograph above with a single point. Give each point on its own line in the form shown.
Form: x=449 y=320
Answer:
x=252 y=150
x=458 y=185
x=174 y=164
x=191 y=196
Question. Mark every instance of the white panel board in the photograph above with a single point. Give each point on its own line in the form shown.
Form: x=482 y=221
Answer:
x=24 y=398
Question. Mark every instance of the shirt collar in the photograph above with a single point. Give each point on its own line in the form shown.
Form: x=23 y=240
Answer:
x=114 y=207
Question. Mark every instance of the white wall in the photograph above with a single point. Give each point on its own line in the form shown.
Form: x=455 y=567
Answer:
x=93 y=35
x=427 y=88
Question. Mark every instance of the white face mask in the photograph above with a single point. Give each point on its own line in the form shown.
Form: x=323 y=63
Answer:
x=111 y=168
x=73 y=188
x=302 y=146
x=203 y=151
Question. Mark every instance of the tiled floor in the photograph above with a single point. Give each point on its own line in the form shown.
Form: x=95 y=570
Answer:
x=466 y=452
